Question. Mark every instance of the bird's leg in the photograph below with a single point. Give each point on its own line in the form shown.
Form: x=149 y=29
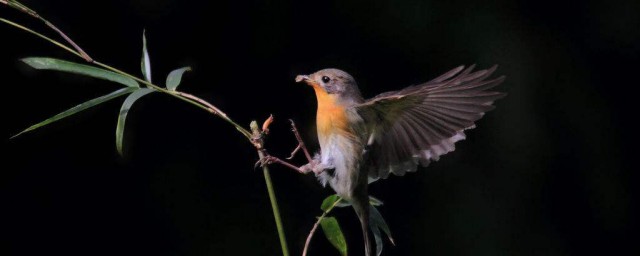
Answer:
x=269 y=159
x=314 y=166
x=300 y=143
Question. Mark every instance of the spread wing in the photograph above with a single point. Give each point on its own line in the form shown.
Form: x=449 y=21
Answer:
x=420 y=123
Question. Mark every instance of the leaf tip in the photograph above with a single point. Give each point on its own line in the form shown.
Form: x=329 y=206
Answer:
x=33 y=62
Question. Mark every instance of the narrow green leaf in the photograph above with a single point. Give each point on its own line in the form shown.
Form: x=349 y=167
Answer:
x=174 y=78
x=76 y=68
x=122 y=117
x=332 y=231
x=78 y=108
x=375 y=218
x=145 y=63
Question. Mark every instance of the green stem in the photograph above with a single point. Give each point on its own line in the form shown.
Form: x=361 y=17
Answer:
x=274 y=207
x=272 y=193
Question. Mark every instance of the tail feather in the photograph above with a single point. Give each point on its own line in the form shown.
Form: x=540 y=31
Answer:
x=362 y=210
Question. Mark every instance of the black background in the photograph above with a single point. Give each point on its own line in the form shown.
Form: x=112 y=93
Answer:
x=549 y=172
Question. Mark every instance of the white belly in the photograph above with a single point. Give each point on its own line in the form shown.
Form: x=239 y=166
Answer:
x=340 y=153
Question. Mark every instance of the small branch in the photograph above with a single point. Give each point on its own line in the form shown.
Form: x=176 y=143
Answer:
x=213 y=109
x=183 y=96
x=293 y=153
x=56 y=43
x=315 y=227
x=300 y=143
x=18 y=6
x=84 y=55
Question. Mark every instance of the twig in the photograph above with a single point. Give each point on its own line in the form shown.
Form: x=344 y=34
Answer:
x=213 y=109
x=300 y=143
x=18 y=6
x=56 y=43
x=85 y=56
x=315 y=226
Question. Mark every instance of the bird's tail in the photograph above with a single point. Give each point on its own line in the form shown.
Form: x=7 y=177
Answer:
x=362 y=210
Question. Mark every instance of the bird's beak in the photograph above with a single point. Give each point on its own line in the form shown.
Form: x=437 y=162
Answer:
x=303 y=78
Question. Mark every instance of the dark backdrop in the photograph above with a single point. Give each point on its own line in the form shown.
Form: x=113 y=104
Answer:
x=549 y=172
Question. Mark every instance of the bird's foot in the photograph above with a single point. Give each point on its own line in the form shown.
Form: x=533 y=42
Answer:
x=313 y=166
x=316 y=167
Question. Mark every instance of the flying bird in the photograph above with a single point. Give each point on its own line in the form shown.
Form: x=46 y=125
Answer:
x=362 y=141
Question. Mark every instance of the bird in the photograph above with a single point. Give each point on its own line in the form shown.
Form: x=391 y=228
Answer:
x=364 y=140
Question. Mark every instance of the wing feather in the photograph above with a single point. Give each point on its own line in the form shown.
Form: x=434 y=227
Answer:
x=420 y=123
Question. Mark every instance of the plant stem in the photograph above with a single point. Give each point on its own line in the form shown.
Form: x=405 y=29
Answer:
x=315 y=226
x=272 y=194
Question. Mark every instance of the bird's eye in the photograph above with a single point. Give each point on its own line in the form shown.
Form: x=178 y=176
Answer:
x=326 y=79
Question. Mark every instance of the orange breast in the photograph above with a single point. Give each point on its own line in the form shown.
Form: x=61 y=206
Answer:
x=331 y=118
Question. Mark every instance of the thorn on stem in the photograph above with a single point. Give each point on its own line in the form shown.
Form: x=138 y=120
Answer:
x=294 y=152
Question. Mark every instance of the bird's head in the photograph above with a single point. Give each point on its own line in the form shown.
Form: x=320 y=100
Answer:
x=333 y=83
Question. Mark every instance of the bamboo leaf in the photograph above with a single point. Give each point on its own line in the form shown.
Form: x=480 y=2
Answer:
x=145 y=63
x=76 y=68
x=122 y=117
x=330 y=200
x=79 y=108
x=332 y=231
x=175 y=77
